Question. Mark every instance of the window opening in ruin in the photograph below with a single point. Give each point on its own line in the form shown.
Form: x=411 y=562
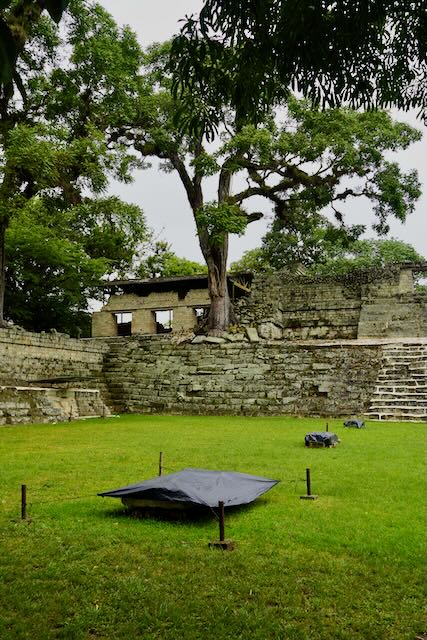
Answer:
x=182 y=293
x=124 y=323
x=202 y=314
x=163 y=320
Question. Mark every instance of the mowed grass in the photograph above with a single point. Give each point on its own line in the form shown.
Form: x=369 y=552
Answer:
x=349 y=565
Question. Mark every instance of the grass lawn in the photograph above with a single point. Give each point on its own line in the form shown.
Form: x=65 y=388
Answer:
x=349 y=565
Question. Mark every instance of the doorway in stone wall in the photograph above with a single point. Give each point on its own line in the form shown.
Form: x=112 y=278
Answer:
x=124 y=323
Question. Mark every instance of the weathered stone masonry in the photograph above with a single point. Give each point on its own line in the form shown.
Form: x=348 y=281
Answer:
x=328 y=347
x=270 y=378
x=379 y=303
x=26 y=358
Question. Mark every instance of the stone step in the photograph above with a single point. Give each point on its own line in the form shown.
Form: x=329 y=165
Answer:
x=393 y=418
x=399 y=394
x=396 y=407
x=400 y=405
x=401 y=389
x=390 y=380
x=419 y=386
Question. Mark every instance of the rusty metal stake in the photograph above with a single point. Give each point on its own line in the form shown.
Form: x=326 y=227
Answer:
x=222 y=543
x=309 y=495
x=23 y=501
x=161 y=463
x=221 y=521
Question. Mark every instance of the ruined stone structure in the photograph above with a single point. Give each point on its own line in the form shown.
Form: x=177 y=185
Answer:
x=372 y=303
x=49 y=377
x=157 y=305
x=322 y=346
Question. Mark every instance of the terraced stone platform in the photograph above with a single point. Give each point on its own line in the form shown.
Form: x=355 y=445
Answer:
x=401 y=388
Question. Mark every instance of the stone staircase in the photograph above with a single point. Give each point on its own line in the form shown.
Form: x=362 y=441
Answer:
x=401 y=386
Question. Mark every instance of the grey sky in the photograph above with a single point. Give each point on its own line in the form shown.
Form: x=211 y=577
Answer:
x=161 y=195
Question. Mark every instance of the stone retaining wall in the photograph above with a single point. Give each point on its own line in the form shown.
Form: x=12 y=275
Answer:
x=370 y=303
x=27 y=357
x=266 y=378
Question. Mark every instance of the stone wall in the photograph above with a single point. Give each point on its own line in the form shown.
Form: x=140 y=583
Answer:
x=152 y=374
x=371 y=303
x=23 y=405
x=26 y=358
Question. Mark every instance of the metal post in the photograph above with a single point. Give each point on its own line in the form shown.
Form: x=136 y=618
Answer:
x=23 y=501
x=308 y=479
x=309 y=495
x=161 y=463
x=221 y=521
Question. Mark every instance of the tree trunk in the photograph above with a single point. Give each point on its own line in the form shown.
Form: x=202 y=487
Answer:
x=220 y=311
x=3 y=227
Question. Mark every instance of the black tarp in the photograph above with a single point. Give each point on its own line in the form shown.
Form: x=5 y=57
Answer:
x=197 y=487
x=321 y=439
x=358 y=424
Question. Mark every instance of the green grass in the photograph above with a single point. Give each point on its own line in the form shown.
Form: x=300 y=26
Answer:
x=349 y=565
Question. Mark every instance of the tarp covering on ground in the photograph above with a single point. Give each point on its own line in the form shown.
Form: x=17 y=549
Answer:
x=197 y=487
x=358 y=424
x=321 y=439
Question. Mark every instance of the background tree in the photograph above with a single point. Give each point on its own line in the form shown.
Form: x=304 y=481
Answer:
x=363 y=54
x=363 y=254
x=332 y=257
x=57 y=141
x=58 y=257
x=164 y=263
x=299 y=166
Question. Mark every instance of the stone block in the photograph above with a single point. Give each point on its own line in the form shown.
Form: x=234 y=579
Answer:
x=252 y=334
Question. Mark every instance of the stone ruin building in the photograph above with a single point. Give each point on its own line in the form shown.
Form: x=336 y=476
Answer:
x=371 y=303
x=159 y=305
x=322 y=346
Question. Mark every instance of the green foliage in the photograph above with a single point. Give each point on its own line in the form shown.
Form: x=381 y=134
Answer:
x=163 y=263
x=60 y=143
x=17 y=21
x=253 y=260
x=57 y=258
x=205 y=165
x=349 y=565
x=363 y=254
x=220 y=219
x=324 y=252
x=59 y=147
x=371 y=53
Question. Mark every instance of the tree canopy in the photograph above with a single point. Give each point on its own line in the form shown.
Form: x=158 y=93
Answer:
x=331 y=257
x=164 y=263
x=17 y=22
x=371 y=53
x=57 y=258
x=58 y=151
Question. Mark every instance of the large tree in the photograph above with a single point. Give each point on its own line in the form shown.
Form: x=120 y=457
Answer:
x=299 y=166
x=58 y=256
x=58 y=141
x=363 y=54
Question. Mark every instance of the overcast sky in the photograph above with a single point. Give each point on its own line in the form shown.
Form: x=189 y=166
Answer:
x=161 y=195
